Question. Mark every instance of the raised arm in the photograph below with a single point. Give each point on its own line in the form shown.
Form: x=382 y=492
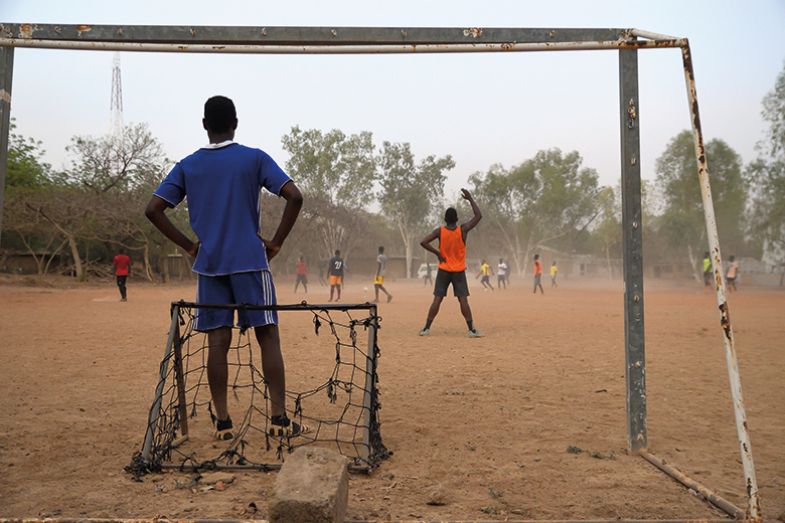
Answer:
x=471 y=224
x=294 y=202
x=426 y=244
x=156 y=213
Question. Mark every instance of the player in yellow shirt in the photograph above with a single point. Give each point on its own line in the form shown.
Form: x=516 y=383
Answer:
x=486 y=273
x=554 y=272
x=378 y=280
x=707 y=271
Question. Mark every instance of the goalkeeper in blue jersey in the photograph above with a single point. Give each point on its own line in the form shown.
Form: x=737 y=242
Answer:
x=222 y=181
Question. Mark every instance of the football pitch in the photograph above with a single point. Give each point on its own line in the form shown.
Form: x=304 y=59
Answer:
x=525 y=423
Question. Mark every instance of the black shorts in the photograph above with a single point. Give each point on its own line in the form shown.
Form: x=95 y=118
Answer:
x=460 y=287
x=302 y=278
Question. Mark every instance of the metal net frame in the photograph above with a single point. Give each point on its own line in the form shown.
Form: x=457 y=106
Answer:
x=627 y=42
x=341 y=411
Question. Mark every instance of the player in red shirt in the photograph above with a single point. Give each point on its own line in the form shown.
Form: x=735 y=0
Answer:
x=302 y=274
x=537 y=274
x=122 y=268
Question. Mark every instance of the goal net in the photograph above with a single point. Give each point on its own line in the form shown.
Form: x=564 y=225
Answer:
x=332 y=388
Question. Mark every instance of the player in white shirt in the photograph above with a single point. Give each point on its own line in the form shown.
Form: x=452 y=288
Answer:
x=501 y=274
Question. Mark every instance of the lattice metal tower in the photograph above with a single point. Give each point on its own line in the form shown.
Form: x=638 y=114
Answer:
x=116 y=105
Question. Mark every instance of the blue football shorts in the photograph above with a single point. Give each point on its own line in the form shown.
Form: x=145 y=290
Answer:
x=247 y=288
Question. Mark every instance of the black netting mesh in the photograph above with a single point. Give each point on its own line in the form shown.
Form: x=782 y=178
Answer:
x=340 y=405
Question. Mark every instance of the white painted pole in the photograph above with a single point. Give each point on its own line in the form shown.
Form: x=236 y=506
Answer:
x=753 y=502
x=88 y=45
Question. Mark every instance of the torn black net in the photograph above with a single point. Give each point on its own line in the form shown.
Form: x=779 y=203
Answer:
x=335 y=395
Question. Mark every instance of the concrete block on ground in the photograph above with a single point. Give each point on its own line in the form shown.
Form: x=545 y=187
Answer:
x=312 y=486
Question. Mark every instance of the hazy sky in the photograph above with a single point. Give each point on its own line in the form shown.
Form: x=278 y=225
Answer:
x=481 y=108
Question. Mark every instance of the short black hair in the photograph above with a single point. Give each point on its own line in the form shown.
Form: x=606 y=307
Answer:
x=381 y=249
x=536 y=256
x=220 y=115
x=732 y=258
x=337 y=252
x=451 y=215
x=707 y=254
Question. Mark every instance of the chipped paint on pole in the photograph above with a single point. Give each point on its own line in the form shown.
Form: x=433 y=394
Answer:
x=753 y=507
x=408 y=48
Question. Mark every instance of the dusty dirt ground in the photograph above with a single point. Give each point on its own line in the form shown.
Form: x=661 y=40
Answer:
x=486 y=420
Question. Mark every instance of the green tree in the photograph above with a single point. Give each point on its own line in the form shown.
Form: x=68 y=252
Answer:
x=547 y=197
x=409 y=190
x=682 y=219
x=27 y=173
x=340 y=171
x=99 y=199
x=766 y=176
x=26 y=166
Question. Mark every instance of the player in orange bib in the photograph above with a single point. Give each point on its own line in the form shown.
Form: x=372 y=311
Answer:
x=452 y=263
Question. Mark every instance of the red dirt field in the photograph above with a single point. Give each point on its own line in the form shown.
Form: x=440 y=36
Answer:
x=488 y=421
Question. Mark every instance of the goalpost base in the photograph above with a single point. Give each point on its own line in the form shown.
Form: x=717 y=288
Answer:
x=704 y=492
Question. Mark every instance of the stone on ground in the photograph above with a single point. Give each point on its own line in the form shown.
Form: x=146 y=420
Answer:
x=313 y=486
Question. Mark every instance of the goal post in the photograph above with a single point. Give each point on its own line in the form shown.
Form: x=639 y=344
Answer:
x=163 y=372
x=407 y=40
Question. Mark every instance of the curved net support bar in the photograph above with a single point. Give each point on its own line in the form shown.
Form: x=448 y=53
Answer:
x=331 y=355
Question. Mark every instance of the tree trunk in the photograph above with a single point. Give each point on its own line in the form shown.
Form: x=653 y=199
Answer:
x=331 y=236
x=39 y=263
x=78 y=267
x=163 y=262
x=513 y=247
x=527 y=255
x=520 y=263
x=407 y=247
x=608 y=261
x=52 y=256
x=147 y=270
x=694 y=265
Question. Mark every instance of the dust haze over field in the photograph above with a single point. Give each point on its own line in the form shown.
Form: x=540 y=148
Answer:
x=527 y=422
x=488 y=421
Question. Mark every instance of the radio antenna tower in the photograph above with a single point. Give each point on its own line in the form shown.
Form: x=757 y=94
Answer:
x=116 y=105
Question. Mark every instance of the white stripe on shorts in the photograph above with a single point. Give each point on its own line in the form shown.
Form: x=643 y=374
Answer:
x=267 y=295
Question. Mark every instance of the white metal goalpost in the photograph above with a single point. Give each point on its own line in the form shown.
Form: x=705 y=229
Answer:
x=377 y=40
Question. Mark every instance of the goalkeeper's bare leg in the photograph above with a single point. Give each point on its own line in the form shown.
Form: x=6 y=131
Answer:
x=218 y=341
x=273 y=367
x=275 y=376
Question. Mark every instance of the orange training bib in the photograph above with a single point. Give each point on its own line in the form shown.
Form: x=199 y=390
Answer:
x=453 y=249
